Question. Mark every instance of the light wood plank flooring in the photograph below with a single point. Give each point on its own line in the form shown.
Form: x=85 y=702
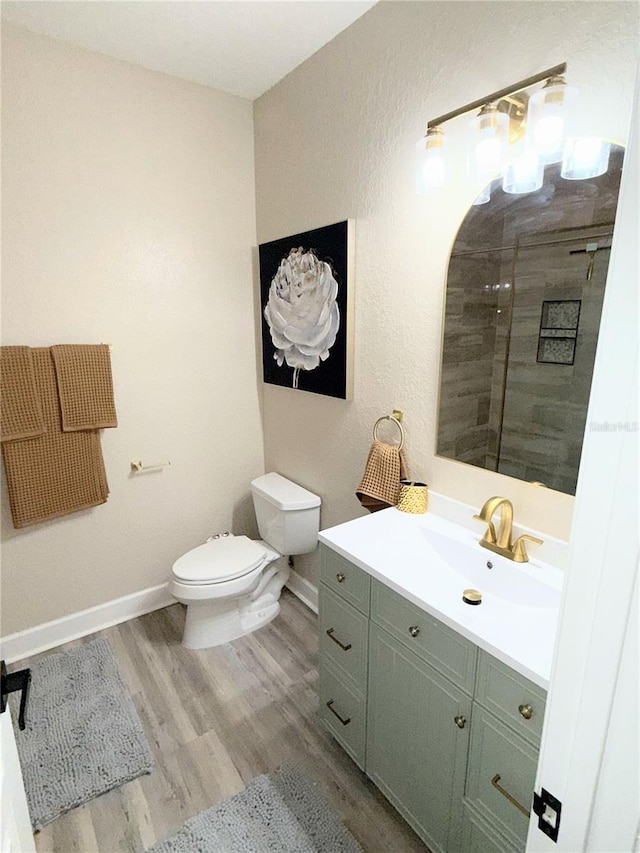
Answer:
x=216 y=718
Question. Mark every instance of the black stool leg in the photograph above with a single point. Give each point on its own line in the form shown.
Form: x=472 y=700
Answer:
x=11 y=682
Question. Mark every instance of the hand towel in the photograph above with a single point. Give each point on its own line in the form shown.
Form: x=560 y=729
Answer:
x=58 y=472
x=85 y=386
x=380 y=484
x=21 y=411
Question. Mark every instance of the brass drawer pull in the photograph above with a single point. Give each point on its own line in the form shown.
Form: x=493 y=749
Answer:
x=526 y=711
x=509 y=796
x=460 y=721
x=340 y=577
x=336 y=714
x=414 y=630
x=335 y=640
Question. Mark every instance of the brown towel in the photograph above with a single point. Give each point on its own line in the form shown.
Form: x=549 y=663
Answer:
x=21 y=412
x=56 y=473
x=85 y=386
x=380 y=484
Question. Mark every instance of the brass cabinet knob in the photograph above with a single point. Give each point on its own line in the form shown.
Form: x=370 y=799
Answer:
x=414 y=630
x=340 y=577
x=460 y=721
x=526 y=711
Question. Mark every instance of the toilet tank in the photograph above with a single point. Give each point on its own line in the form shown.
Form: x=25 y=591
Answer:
x=288 y=516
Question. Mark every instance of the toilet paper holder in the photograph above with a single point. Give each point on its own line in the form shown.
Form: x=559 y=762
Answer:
x=138 y=466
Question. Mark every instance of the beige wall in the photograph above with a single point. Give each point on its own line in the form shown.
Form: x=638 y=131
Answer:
x=336 y=139
x=129 y=218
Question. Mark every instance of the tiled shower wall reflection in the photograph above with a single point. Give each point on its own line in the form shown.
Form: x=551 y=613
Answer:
x=510 y=413
x=545 y=405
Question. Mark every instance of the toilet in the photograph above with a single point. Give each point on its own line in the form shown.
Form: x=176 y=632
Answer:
x=232 y=584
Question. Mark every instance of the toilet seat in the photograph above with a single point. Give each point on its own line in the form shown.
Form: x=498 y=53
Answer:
x=219 y=560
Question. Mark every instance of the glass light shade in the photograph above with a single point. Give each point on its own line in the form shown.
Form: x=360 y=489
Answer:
x=484 y=196
x=524 y=175
x=585 y=157
x=489 y=138
x=549 y=119
x=430 y=164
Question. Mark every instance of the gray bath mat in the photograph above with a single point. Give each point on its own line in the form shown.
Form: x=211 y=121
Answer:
x=280 y=812
x=83 y=734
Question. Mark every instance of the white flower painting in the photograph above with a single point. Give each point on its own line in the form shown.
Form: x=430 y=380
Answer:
x=302 y=311
x=307 y=297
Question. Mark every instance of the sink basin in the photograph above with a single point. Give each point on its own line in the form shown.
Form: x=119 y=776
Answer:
x=505 y=580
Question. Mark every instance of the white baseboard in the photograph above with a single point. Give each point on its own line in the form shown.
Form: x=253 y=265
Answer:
x=33 y=640
x=304 y=590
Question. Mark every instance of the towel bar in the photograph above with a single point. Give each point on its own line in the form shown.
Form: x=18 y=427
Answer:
x=395 y=421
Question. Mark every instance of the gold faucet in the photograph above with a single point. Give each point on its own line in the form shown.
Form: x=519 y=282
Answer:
x=500 y=542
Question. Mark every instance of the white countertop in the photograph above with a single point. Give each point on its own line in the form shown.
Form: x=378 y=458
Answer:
x=395 y=548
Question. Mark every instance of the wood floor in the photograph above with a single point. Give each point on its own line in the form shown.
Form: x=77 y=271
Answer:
x=216 y=718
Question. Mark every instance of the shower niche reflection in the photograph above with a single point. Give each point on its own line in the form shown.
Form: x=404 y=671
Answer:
x=524 y=297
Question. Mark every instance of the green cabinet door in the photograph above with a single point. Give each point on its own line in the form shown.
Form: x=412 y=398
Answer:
x=501 y=776
x=417 y=740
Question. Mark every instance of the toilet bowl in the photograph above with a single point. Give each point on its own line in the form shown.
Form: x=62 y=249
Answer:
x=231 y=585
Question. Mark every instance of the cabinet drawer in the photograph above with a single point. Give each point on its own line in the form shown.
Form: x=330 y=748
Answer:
x=448 y=652
x=502 y=768
x=343 y=712
x=511 y=696
x=350 y=582
x=344 y=638
x=478 y=836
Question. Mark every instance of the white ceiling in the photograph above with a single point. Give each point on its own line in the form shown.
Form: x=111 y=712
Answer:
x=240 y=46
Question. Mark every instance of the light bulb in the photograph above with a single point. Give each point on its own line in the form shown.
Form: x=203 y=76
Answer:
x=430 y=165
x=548 y=135
x=488 y=155
x=433 y=171
x=549 y=116
x=490 y=134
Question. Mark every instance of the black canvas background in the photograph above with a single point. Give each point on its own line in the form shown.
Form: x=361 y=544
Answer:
x=329 y=244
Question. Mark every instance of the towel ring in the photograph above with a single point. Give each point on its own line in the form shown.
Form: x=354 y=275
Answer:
x=396 y=422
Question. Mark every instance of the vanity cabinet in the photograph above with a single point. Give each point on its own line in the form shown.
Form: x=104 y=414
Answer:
x=448 y=733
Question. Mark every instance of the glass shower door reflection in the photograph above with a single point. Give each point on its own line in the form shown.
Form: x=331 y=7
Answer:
x=557 y=304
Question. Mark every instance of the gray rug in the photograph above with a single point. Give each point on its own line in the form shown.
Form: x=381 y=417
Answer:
x=83 y=734
x=280 y=812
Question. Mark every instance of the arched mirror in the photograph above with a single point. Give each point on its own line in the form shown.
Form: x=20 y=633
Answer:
x=524 y=296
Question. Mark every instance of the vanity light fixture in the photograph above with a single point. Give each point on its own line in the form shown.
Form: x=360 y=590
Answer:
x=501 y=148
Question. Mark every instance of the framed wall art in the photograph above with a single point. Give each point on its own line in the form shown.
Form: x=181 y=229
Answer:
x=307 y=305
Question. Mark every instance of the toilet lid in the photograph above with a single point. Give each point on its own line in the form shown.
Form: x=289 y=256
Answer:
x=219 y=560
